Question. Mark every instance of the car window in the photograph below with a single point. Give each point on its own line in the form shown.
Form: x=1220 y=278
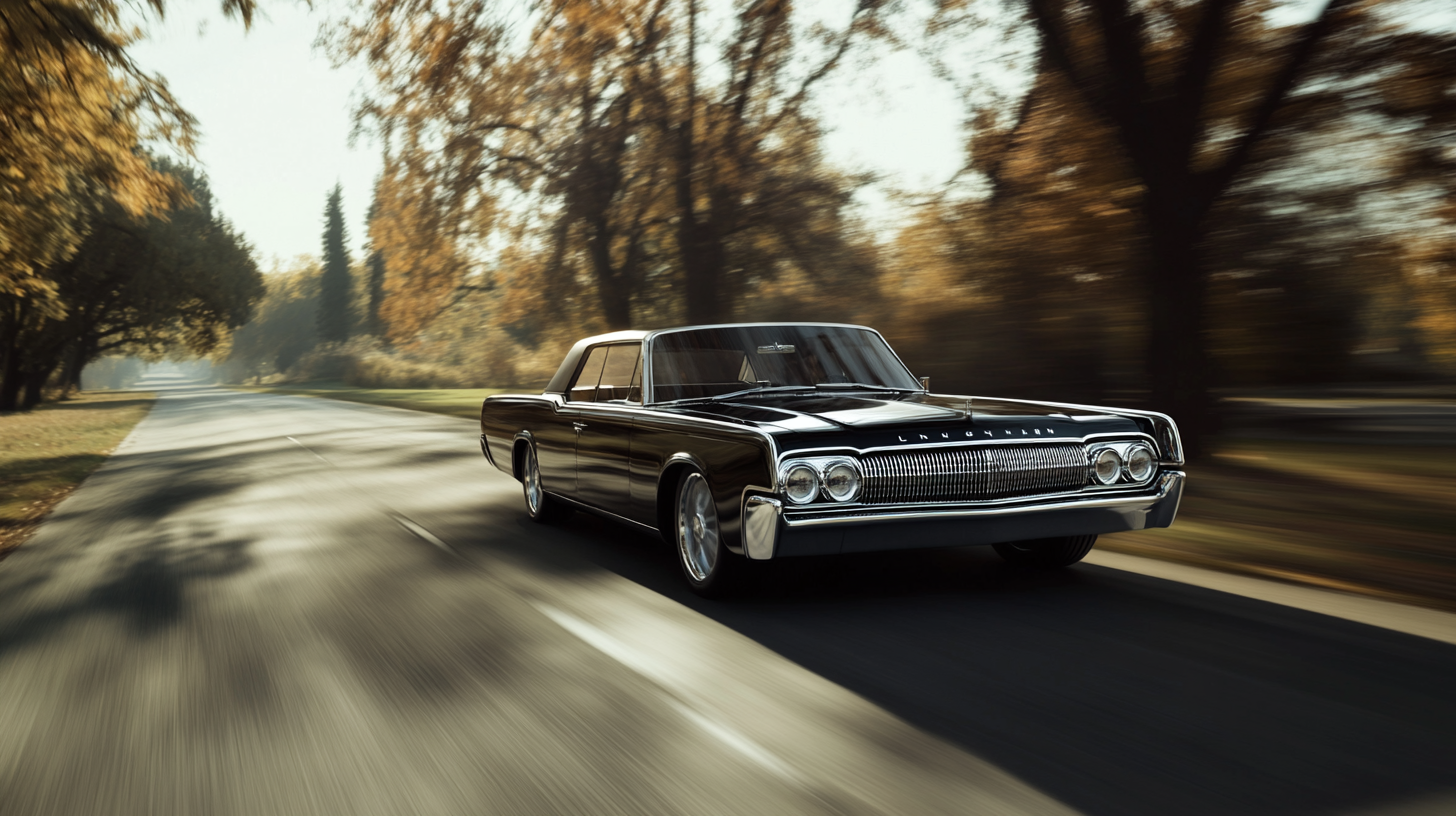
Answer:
x=619 y=372
x=584 y=389
x=706 y=362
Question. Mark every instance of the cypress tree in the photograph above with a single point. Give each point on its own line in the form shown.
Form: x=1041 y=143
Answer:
x=336 y=283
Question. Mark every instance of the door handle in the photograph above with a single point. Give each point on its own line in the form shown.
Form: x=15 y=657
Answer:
x=578 y=426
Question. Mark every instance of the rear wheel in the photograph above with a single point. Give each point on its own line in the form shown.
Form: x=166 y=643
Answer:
x=1047 y=553
x=708 y=565
x=539 y=506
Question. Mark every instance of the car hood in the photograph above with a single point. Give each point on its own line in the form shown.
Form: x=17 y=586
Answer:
x=909 y=418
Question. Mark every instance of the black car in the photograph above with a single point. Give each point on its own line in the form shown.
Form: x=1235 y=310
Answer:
x=768 y=440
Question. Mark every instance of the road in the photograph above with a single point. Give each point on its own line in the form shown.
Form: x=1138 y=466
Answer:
x=266 y=604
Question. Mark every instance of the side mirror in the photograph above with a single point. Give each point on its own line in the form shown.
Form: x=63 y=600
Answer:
x=925 y=383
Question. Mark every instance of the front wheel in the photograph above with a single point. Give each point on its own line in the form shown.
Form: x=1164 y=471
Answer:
x=708 y=565
x=1047 y=553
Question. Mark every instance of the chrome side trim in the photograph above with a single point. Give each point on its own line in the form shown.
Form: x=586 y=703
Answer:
x=606 y=514
x=1169 y=482
x=647 y=412
x=761 y=515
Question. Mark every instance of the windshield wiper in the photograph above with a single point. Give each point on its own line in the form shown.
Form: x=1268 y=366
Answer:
x=762 y=389
x=747 y=392
x=860 y=387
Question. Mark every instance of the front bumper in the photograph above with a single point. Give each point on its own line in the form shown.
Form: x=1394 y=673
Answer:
x=769 y=532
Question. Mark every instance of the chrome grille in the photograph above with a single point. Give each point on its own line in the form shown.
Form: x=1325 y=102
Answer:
x=972 y=472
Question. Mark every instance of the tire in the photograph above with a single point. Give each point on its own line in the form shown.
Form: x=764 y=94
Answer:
x=1047 y=553
x=540 y=506
x=709 y=567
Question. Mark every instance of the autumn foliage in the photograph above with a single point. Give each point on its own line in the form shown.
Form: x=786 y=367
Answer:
x=1172 y=199
x=75 y=116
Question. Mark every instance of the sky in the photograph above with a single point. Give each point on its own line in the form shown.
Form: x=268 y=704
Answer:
x=275 y=120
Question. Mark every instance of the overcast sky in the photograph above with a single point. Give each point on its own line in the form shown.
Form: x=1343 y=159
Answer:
x=275 y=121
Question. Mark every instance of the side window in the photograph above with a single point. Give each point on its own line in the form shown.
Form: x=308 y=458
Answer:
x=584 y=389
x=620 y=372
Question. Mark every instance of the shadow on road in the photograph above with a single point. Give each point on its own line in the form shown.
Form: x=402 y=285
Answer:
x=1113 y=692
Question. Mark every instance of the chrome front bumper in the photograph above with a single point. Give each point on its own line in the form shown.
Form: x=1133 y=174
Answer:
x=769 y=532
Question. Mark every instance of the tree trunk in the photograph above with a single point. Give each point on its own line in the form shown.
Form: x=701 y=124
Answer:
x=34 y=389
x=10 y=354
x=76 y=360
x=1176 y=361
x=35 y=381
x=10 y=382
x=613 y=292
x=704 y=263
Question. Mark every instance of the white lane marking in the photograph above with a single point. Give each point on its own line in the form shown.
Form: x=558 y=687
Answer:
x=423 y=533
x=307 y=448
x=743 y=745
x=648 y=667
x=399 y=519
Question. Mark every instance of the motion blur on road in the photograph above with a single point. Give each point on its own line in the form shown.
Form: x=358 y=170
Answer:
x=278 y=604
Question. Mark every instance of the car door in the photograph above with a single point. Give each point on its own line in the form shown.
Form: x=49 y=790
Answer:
x=604 y=429
x=556 y=442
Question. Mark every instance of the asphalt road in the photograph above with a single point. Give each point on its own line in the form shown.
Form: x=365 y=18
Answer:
x=281 y=605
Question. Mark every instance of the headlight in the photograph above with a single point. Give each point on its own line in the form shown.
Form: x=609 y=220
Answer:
x=841 y=481
x=801 y=484
x=1139 y=465
x=1107 y=466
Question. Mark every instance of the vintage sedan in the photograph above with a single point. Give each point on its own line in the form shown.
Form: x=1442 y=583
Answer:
x=767 y=440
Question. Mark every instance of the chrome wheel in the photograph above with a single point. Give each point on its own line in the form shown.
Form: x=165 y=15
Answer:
x=532 y=482
x=697 y=528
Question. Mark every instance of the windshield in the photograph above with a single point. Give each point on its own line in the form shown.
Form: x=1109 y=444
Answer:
x=717 y=361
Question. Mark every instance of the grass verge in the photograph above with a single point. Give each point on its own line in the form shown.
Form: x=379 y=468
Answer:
x=461 y=402
x=47 y=452
x=1376 y=520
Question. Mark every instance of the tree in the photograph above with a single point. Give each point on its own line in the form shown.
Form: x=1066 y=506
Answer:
x=374 y=271
x=136 y=286
x=643 y=172
x=73 y=108
x=336 y=284
x=1216 y=131
x=283 y=328
x=722 y=136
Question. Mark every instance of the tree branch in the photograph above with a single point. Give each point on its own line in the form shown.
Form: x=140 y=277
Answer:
x=1058 y=50
x=1192 y=86
x=1213 y=182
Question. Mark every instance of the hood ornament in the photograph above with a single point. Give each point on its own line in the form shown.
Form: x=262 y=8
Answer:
x=966 y=411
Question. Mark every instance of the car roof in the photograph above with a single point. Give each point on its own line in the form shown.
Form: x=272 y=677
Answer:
x=626 y=336
x=573 y=357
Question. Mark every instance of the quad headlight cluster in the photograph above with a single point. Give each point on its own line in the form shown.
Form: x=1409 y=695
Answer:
x=1120 y=463
x=836 y=479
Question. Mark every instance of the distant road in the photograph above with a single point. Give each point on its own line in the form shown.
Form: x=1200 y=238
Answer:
x=266 y=604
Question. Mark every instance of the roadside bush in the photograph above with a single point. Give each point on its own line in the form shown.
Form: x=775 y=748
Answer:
x=379 y=370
